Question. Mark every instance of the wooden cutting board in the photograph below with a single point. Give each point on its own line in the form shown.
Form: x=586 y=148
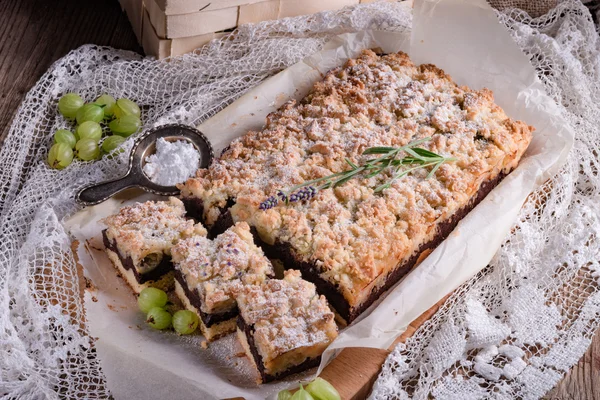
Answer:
x=355 y=369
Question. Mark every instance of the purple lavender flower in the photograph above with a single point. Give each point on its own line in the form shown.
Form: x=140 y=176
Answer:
x=305 y=193
x=281 y=194
x=268 y=203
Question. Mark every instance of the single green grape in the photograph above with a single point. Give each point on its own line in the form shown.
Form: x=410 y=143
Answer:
x=284 y=395
x=302 y=394
x=320 y=389
x=108 y=102
x=89 y=130
x=112 y=142
x=69 y=104
x=87 y=149
x=65 y=136
x=158 y=318
x=185 y=322
x=126 y=107
x=125 y=126
x=60 y=155
x=90 y=112
x=151 y=297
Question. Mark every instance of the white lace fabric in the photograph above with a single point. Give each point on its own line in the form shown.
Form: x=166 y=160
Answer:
x=511 y=331
x=517 y=327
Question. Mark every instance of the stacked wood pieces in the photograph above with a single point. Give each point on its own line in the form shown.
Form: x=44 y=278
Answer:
x=168 y=28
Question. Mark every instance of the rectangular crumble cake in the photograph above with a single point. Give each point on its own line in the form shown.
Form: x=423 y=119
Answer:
x=352 y=242
x=208 y=273
x=284 y=325
x=139 y=238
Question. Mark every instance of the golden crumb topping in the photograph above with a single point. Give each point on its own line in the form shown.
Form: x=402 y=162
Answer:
x=286 y=315
x=351 y=233
x=149 y=230
x=219 y=268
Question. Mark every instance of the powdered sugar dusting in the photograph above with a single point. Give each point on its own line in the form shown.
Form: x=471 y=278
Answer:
x=219 y=268
x=173 y=162
x=286 y=315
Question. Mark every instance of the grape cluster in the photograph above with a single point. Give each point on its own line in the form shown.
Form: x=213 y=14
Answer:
x=319 y=389
x=85 y=142
x=153 y=302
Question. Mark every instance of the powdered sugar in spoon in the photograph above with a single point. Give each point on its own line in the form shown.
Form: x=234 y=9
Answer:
x=144 y=146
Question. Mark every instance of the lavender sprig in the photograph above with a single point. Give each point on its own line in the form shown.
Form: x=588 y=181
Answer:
x=417 y=156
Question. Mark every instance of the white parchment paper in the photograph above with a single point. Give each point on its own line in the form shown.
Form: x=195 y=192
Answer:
x=462 y=37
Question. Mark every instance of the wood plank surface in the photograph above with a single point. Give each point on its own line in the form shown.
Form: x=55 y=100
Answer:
x=35 y=33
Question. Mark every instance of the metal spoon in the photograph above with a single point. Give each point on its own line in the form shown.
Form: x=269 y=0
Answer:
x=144 y=146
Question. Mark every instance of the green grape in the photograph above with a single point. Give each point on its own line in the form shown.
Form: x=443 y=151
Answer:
x=125 y=126
x=185 y=322
x=108 y=102
x=284 y=395
x=320 y=389
x=302 y=394
x=90 y=112
x=87 y=149
x=89 y=130
x=65 y=136
x=60 y=155
x=126 y=107
x=112 y=142
x=158 y=318
x=151 y=297
x=69 y=104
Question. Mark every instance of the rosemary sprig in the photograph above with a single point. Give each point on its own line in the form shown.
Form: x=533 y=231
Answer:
x=416 y=156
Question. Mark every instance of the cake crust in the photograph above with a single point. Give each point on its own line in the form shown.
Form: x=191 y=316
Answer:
x=138 y=241
x=284 y=325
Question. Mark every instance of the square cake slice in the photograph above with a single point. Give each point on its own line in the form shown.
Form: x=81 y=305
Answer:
x=284 y=325
x=139 y=238
x=208 y=273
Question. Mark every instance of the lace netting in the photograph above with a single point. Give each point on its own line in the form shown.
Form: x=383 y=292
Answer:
x=483 y=341
x=45 y=350
x=517 y=327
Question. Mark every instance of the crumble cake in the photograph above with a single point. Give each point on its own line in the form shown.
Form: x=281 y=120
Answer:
x=351 y=242
x=284 y=325
x=208 y=273
x=139 y=238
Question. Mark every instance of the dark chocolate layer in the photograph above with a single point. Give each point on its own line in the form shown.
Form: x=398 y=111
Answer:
x=164 y=267
x=195 y=209
x=249 y=332
x=194 y=298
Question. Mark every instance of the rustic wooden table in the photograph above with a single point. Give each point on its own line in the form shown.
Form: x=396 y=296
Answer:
x=35 y=33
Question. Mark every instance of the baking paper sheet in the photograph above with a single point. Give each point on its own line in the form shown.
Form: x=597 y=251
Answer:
x=464 y=38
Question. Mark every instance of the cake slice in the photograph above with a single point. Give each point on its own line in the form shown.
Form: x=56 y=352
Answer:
x=208 y=273
x=357 y=239
x=139 y=238
x=284 y=325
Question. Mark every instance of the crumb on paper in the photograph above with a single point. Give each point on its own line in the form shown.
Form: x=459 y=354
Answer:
x=89 y=285
x=111 y=307
x=94 y=299
x=204 y=344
